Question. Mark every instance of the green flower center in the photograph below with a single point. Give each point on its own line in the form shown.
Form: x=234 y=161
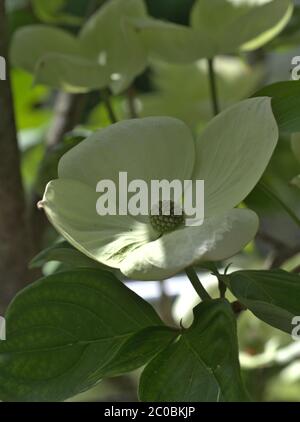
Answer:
x=165 y=217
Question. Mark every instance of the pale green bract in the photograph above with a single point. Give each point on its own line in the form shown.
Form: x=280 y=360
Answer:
x=176 y=95
x=107 y=51
x=217 y=27
x=230 y=156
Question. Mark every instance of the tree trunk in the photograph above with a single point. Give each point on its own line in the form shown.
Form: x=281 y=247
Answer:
x=14 y=238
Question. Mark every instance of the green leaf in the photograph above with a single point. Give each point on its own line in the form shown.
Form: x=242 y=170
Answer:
x=108 y=39
x=62 y=330
x=176 y=95
x=65 y=253
x=32 y=42
x=220 y=21
x=285 y=104
x=295 y=144
x=170 y=42
x=139 y=349
x=273 y=296
x=214 y=28
x=201 y=365
x=70 y=73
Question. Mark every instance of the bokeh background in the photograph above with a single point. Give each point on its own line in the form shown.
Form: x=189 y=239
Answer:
x=50 y=122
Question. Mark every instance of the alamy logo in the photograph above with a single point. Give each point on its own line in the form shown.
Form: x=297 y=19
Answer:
x=295 y=72
x=2 y=329
x=296 y=329
x=179 y=201
x=2 y=69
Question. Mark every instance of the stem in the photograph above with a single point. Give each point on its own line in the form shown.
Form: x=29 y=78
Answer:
x=272 y=195
x=196 y=283
x=213 y=87
x=222 y=289
x=110 y=111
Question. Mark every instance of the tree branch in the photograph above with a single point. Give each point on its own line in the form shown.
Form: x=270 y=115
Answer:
x=68 y=112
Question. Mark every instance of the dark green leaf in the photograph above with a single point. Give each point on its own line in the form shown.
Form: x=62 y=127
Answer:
x=201 y=364
x=285 y=104
x=65 y=253
x=63 y=329
x=139 y=349
x=273 y=296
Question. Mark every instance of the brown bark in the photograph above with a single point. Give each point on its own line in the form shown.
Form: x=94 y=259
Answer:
x=14 y=239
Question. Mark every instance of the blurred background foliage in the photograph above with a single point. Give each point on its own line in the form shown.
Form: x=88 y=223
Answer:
x=270 y=360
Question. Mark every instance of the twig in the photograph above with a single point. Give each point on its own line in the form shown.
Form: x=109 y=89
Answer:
x=284 y=255
x=196 y=283
x=271 y=240
x=110 y=111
